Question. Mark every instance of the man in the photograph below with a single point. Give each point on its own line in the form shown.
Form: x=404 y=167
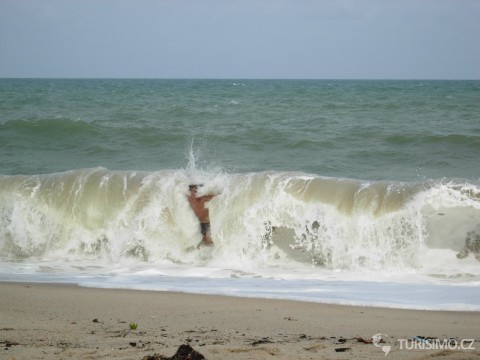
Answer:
x=198 y=207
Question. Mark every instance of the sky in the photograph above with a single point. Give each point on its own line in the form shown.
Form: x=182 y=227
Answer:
x=302 y=39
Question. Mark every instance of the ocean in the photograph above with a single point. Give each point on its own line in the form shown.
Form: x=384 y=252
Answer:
x=335 y=191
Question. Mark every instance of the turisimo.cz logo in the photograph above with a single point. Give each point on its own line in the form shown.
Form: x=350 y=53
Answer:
x=385 y=343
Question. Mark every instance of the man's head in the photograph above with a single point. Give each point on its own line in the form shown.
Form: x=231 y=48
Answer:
x=194 y=187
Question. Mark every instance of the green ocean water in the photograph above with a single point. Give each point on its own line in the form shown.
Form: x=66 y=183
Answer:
x=370 y=130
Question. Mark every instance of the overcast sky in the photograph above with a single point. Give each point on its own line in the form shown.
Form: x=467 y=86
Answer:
x=333 y=39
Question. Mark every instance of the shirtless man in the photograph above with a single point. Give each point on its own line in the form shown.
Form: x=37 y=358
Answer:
x=198 y=207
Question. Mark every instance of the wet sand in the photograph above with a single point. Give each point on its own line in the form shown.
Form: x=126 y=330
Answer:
x=49 y=321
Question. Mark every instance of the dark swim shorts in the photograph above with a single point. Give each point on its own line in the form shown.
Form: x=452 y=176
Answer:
x=205 y=228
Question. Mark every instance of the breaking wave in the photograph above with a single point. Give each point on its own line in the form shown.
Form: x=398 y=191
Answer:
x=257 y=219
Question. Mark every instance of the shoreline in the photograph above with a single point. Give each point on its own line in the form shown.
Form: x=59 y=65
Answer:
x=45 y=320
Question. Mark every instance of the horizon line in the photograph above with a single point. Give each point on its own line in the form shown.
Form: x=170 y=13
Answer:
x=232 y=78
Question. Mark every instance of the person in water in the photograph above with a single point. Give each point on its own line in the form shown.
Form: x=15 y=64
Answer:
x=198 y=206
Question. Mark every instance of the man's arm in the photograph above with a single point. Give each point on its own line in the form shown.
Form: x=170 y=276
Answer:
x=206 y=198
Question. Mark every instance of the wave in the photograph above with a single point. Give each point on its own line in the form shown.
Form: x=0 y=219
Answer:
x=264 y=218
x=470 y=141
x=59 y=128
x=59 y=125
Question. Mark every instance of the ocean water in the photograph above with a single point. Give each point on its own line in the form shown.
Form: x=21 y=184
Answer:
x=350 y=192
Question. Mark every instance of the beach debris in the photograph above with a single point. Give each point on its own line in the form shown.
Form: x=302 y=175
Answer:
x=264 y=340
x=95 y=321
x=363 y=340
x=430 y=339
x=343 y=349
x=184 y=352
x=423 y=339
x=8 y=343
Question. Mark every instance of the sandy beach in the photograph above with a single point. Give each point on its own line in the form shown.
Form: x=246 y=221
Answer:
x=49 y=321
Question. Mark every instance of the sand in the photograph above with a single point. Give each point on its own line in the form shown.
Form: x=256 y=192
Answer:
x=48 y=321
